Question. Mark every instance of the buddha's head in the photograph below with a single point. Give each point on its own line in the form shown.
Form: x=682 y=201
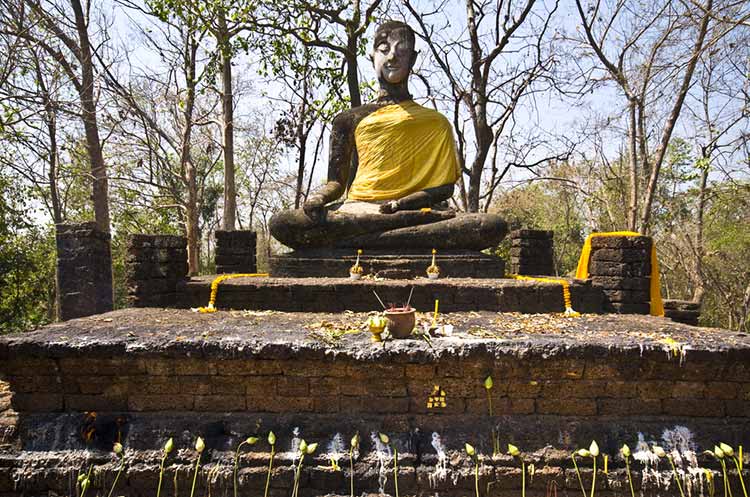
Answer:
x=393 y=53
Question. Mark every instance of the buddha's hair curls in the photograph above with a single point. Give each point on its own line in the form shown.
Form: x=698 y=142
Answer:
x=388 y=26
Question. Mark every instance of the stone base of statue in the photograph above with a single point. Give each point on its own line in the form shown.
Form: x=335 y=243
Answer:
x=406 y=263
x=428 y=229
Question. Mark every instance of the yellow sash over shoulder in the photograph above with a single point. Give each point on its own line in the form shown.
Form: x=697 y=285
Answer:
x=403 y=148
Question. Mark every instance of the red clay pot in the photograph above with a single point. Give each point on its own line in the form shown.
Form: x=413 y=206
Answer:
x=401 y=321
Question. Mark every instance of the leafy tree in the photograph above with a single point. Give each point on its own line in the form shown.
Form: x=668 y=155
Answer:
x=27 y=263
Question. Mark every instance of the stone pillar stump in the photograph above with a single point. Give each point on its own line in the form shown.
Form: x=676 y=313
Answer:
x=84 y=271
x=531 y=252
x=154 y=266
x=621 y=267
x=682 y=311
x=235 y=251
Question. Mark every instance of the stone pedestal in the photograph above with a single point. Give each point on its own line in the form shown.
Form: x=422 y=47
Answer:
x=154 y=266
x=84 y=271
x=531 y=252
x=621 y=267
x=235 y=252
x=153 y=374
x=682 y=311
x=406 y=264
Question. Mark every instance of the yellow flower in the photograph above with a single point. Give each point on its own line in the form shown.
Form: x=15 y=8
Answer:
x=200 y=445
x=513 y=450
x=594 y=449
x=726 y=449
x=488 y=383
x=470 y=450
x=625 y=450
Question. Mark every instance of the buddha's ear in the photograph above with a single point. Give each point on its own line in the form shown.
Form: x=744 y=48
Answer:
x=413 y=60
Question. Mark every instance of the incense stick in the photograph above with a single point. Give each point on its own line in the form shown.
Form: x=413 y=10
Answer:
x=407 y=302
x=381 y=302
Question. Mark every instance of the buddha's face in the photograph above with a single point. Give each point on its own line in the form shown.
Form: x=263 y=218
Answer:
x=393 y=56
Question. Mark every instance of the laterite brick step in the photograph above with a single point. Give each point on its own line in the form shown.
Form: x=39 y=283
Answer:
x=341 y=294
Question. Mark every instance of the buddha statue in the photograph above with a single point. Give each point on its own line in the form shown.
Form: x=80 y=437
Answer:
x=407 y=168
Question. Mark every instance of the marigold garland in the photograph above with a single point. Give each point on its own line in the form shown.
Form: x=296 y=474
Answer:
x=565 y=286
x=215 y=289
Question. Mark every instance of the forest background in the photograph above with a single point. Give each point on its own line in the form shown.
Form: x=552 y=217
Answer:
x=188 y=116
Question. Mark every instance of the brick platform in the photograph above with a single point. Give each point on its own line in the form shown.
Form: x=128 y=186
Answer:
x=558 y=383
x=342 y=294
x=406 y=264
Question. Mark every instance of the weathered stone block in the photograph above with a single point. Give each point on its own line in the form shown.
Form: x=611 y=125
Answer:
x=692 y=408
x=192 y=367
x=620 y=255
x=99 y=403
x=36 y=402
x=623 y=269
x=84 y=271
x=629 y=407
x=219 y=403
x=292 y=386
x=627 y=296
x=621 y=242
x=147 y=402
x=566 y=407
x=627 y=307
x=688 y=390
x=620 y=283
x=234 y=367
x=534 y=234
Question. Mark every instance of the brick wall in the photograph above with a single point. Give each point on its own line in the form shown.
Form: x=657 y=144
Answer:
x=569 y=386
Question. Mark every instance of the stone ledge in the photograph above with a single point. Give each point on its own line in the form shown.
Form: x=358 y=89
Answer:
x=272 y=335
x=343 y=294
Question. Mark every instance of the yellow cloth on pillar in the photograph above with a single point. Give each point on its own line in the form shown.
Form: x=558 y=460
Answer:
x=403 y=148
x=582 y=272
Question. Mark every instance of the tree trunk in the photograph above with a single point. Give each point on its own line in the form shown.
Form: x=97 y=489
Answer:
x=633 y=168
x=100 y=195
x=186 y=160
x=699 y=251
x=50 y=119
x=674 y=115
x=352 y=76
x=227 y=106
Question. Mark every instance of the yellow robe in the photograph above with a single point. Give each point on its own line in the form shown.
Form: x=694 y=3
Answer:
x=403 y=148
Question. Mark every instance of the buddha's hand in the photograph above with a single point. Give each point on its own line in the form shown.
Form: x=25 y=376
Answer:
x=314 y=208
x=389 y=207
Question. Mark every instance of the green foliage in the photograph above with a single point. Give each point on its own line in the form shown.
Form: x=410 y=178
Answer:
x=547 y=206
x=27 y=264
